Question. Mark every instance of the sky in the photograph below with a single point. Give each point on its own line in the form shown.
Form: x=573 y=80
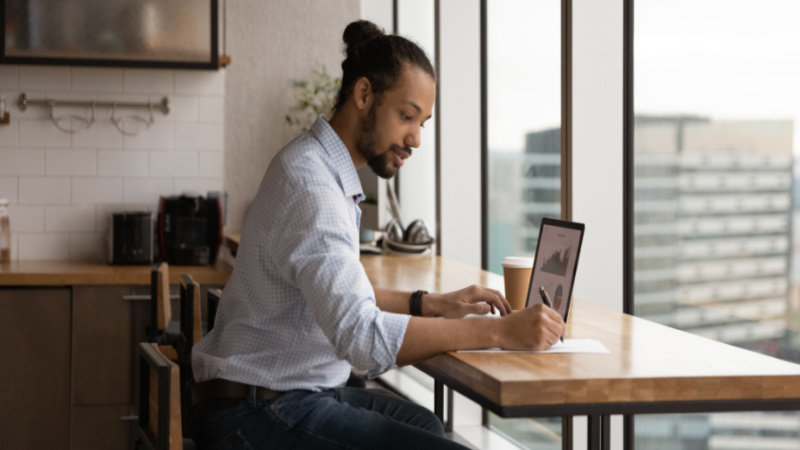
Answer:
x=727 y=59
x=524 y=70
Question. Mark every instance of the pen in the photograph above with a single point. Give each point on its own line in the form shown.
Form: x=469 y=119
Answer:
x=546 y=300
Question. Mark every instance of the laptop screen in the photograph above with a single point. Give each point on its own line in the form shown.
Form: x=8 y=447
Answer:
x=556 y=263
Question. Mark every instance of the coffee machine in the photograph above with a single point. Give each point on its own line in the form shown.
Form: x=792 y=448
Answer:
x=131 y=238
x=189 y=230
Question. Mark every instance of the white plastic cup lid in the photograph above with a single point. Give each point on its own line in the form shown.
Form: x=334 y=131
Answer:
x=518 y=262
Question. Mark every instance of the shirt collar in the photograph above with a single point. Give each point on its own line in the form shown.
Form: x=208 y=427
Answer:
x=342 y=163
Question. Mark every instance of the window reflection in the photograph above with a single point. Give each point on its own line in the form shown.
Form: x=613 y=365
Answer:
x=524 y=115
x=715 y=136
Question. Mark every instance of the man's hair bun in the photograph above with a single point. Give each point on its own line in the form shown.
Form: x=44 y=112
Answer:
x=357 y=33
x=378 y=57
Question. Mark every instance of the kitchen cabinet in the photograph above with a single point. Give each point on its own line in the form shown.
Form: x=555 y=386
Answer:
x=69 y=335
x=128 y=33
x=108 y=323
x=107 y=327
x=110 y=427
x=35 y=368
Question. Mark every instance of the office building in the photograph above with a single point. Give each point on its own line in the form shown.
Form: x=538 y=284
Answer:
x=524 y=188
x=713 y=250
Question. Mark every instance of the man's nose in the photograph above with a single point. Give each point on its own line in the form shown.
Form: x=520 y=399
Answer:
x=413 y=140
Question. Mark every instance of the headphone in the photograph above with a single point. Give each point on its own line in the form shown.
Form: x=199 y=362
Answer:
x=416 y=232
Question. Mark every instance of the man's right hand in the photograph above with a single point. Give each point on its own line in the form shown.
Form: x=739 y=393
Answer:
x=534 y=328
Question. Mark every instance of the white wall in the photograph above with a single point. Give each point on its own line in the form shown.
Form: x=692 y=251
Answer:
x=272 y=43
x=417 y=177
x=63 y=186
x=597 y=161
x=379 y=12
x=597 y=148
x=460 y=128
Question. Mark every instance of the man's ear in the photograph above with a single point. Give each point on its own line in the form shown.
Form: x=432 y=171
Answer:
x=362 y=93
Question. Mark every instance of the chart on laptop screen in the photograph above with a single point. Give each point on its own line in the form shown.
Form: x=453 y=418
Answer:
x=554 y=268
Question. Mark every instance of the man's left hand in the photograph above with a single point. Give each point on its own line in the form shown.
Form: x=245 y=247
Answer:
x=470 y=300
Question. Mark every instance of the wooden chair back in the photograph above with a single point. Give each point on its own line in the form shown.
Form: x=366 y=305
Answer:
x=160 y=306
x=191 y=315
x=191 y=332
x=214 y=295
x=159 y=400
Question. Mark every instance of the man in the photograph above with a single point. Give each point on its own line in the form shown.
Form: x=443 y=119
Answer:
x=299 y=309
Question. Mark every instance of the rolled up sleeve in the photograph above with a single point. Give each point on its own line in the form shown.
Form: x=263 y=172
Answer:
x=316 y=250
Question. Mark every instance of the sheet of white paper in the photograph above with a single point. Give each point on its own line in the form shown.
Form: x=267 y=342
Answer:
x=568 y=346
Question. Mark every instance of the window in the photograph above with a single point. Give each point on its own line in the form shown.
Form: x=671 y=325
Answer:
x=716 y=128
x=524 y=120
x=524 y=149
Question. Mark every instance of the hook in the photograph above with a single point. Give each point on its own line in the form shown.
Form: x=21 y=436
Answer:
x=57 y=120
x=119 y=121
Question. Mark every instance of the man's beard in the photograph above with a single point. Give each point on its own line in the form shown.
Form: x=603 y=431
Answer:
x=367 y=144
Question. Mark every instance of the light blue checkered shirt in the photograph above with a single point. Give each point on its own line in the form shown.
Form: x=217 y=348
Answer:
x=299 y=309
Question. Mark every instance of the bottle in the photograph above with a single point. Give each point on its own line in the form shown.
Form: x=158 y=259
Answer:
x=5 y=232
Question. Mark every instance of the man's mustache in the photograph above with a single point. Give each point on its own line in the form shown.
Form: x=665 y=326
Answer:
x=396 y=147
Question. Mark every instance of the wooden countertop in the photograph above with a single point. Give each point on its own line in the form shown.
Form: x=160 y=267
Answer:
x=429 y=273
x=648 y=362
x=65 y=273
x=232 y=241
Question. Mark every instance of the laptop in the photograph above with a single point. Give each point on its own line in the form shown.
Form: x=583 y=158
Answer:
x=555 y=264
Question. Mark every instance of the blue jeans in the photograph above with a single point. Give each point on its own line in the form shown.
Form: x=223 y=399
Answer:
x=337 y=418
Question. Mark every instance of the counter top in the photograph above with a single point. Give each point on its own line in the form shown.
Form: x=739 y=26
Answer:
x=232 y=241
x=65 y=273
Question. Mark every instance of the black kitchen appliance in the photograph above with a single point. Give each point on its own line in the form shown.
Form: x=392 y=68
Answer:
x=189 y=230
x=131 y=238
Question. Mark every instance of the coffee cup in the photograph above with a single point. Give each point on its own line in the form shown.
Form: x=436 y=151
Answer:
x=517 y=275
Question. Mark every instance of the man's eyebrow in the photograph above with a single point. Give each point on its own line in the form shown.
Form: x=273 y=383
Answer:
x=419 y=110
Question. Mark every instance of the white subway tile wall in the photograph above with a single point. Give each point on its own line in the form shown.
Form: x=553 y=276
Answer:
x=70 y=162
x=63 y=187
x=96 y=190
x=8 y=189
x=43 y=246
x=123 y=163
x=69 y=218
x=88 y=247
x=28 y=219
x=143 y=190
x=43 y=191
x=94 y=79
x=21 y=162
x=45 y=78
x=8 y=77
x=11 y=136
x=102 y=134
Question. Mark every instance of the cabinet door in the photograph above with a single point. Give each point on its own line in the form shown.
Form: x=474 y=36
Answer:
x=108 y=322
x=34 y=368
x=103 y=427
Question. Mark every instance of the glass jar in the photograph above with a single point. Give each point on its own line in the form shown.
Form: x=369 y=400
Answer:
x=5 y=232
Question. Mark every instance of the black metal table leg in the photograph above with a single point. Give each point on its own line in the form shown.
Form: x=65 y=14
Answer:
x=566 y=433
x=448 y=424
x=629 y=442
x=599 y=432
x=438 y=399
x=594 y=432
